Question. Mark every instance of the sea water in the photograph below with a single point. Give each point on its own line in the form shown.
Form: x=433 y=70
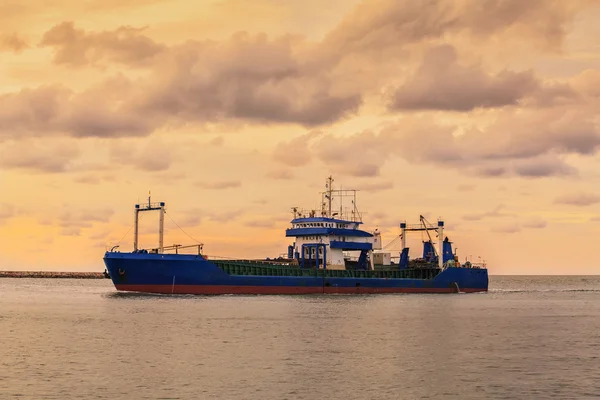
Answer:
x=529 y=337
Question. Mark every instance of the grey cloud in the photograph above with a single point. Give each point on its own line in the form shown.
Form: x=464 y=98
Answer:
x=154 y=156
x=495 y=213
x=70 y=231
x=88 y=179
x=71 y=221
x=491 y=171
x=529 y=144
x=296 y=152
x=376 y=187
x=219 y=184
x=77 y=47
x=466 y=187
x=282 y=174
x=441 y=83
x=341 y=154
x=55 y=110
x=244 y=78
x=196 y=216
x=580 y=199
x=217 y=142
x=587 y=82
x=381 y=24
x=12 y=43
x=7 y=211
x=84 y=217
x=248 y=78
x=260 y=223
x=93 y=179
x=225 y=216
x=38 y=155
x=535 y=223
x=32 y=110
x=285 y=80
x=507 y=228
x=100 y=236
x=543 y=166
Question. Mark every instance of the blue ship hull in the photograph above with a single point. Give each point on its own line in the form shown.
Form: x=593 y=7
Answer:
x=193 y=274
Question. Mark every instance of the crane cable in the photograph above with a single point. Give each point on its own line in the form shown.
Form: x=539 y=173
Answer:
x=190 y=236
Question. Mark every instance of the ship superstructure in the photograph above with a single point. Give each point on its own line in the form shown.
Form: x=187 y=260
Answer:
x=324 y=239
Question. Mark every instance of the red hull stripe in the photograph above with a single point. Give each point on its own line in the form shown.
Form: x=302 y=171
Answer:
x=226 y=289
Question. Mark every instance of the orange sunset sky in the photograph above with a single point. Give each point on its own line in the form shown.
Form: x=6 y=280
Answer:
x=483 y=112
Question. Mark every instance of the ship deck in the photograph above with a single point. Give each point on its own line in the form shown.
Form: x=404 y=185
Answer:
x=264 y=268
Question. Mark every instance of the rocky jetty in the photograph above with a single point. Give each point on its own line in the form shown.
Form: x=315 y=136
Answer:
x=52 y=274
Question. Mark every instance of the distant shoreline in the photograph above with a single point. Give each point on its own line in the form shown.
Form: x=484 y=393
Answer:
x=52 y=274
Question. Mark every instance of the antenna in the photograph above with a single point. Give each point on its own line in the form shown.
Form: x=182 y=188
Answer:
x=329 y=187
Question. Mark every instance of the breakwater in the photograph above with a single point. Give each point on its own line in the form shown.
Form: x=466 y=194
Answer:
x=52 y=274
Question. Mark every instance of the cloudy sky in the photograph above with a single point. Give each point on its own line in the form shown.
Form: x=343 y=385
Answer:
x=483 y=112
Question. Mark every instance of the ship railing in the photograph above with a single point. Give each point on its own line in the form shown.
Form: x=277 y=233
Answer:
x=273 y=261
x=149 y=206
x=178 y=247
x=479 y=265
x=345 y=215
x=420 y=227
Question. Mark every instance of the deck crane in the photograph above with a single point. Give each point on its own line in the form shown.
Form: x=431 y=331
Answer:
x=427 y=228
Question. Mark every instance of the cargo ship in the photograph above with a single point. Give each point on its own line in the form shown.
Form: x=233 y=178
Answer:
x=329 y=253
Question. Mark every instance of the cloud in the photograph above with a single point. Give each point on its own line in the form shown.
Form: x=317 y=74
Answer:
x=218 y=185
x=100 y=111
x=286 y=79
x=72 y=221
x=196 y=216
x=281 y=174
x=260 y=223
x=91 y=179
x=535 y=223
x=581 y=199
x=495 y=213
x=541 y=166
x=587 y=82
x=245 y=78
x=225 y=216
x=217 y=142
x=70 y=231
x=39 y=155
x=248 y=77
x=339 y=154
x=154 y=156
x=529 y=143
x=296 y=152
x=384 y=24
x=466 y=187
x=7 y=211
x=376 y=186
x=76 y=47
x=507 y=228
x=84 y=218
x=441 y=83
x=12 y=43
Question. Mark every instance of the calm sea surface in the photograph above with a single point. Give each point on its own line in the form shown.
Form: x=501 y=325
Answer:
x=528 y=338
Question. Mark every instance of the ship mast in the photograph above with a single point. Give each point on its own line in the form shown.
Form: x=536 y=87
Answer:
x=160 y=206
x=329 y=187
